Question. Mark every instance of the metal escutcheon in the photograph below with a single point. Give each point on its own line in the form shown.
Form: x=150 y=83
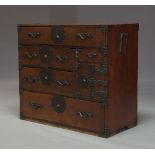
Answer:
x=59 y=104
x=46 y=56
x=46 y=76
x=58 y=34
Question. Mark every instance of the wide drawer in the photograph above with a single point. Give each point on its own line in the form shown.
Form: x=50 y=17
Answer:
x=66 y=111
x=65 y=83
x=64 y=58
x=63 y=35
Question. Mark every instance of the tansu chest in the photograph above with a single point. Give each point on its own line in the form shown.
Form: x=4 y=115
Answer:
x=82 y=77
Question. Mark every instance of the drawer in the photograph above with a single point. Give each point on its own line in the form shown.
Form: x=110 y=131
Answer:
x=63 y=83
x=62 y=35
x=46 y=56
x=98 y=71
x=48 y=81
x=62 y=58
x=66 y=111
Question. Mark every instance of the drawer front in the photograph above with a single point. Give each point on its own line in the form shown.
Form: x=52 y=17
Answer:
x=59 y=58
x=48 y=81
x=75 y=113
x=63 y=35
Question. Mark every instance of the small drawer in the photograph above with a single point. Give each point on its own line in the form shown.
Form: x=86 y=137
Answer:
x=47 y=56
x=34 y=35
x=48 y=81
x=63 y=35
x=97 y=71
x=61 y=110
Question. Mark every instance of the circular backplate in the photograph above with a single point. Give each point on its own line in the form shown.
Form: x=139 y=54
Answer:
x=59 y=104
x=58 y=34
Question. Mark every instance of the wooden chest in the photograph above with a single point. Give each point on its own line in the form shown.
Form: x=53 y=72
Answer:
x=83 y=77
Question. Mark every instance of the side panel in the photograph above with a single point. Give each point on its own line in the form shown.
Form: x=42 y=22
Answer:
x=123 y=59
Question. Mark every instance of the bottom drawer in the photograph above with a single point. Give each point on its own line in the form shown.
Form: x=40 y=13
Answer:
x=62 y=110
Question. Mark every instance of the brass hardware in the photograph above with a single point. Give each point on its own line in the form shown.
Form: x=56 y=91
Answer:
x=31 y=55
x=34 y=34
x=123 y=42
x=91 y=55
x=63 y=82
x=61 y=57
x=35 y=106
x=58 y=104
x=83 y=35
x=84 y=114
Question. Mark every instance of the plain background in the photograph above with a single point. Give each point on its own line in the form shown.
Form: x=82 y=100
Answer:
x=15 y=133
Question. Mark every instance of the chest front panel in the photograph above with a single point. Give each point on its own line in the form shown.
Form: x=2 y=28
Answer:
x=65 y=74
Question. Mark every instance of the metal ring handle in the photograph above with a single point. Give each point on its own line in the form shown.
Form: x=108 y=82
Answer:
x=61 y=57
x=63 y=82
x=31 y=55
x=83 y=35
x=84 y=114
x=35 y=106
x=34 y=34
x=32 y=79
x=91 y=55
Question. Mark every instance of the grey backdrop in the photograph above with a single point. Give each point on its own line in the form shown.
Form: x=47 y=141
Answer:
x=20 y=134
x=10 y=16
